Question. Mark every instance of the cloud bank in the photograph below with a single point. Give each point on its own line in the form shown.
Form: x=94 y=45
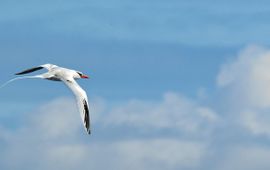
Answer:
x=53 y=138
x=246 y=82
x=175 y=112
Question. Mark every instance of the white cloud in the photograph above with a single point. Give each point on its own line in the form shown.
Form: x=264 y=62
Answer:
x=146 y=154
x=53 y=138
x=256 y=122
x=58 y=118
x=248 y=77
x=246 y=158
x=246 y=82
x=34 y=144
x=174 y=112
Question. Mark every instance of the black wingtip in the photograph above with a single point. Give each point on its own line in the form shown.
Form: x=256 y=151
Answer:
x=86 y=117
x=29 y=70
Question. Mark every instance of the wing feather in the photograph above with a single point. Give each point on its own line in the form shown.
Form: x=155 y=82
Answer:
x=30 y=70
x=82 y=102
x=49 y=67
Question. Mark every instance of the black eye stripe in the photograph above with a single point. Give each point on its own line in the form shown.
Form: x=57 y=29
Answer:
x=79 y=73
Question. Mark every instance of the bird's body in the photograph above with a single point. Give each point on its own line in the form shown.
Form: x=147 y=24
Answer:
x=67 y=76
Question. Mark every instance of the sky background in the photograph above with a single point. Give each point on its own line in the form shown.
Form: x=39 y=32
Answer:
x=174 y=84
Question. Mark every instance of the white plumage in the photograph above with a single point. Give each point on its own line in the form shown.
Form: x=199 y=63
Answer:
x=67 y=76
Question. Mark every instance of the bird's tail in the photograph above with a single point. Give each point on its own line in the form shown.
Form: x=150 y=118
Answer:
x=19 y=78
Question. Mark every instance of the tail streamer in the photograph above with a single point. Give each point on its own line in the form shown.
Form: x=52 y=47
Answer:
x=19 y=78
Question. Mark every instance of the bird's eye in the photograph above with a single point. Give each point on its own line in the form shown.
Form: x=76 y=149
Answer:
x=79 y=73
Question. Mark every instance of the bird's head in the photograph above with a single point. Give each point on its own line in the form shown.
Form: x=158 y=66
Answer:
x=81 y=75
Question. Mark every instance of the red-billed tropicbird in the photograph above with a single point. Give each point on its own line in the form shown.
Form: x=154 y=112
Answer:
x=67 y=76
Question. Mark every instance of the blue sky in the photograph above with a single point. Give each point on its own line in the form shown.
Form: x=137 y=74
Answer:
x=174 y=84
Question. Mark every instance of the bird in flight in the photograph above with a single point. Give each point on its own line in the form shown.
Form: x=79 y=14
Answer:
x=68 y=76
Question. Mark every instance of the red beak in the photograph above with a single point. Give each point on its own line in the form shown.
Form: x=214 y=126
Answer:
x=84 y=77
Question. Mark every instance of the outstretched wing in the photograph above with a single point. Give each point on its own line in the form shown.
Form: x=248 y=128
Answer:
x=82 y=102
x=30 y=70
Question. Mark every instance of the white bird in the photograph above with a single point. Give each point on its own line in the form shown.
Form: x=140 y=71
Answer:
x=67 y=76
